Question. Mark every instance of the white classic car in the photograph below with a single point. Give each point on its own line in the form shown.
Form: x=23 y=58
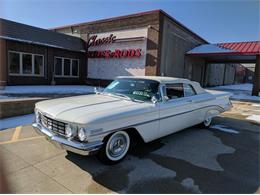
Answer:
x=108 y=122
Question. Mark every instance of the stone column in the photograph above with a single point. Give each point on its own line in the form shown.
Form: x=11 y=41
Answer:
x=256 y=83
x=3 y=64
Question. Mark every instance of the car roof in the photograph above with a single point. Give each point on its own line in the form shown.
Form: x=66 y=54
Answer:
x=160 y=79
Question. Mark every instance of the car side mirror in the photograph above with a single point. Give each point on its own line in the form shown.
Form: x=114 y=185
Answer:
x=96 y=90
x=154 y=99
x=166 y=98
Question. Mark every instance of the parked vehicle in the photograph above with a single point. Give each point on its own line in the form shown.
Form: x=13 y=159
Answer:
x=108 y=122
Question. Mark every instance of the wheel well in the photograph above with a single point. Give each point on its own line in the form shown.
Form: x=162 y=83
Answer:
x=133 y=134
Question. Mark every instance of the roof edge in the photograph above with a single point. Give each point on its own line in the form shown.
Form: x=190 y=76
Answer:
x=39 y=43
x=132 y=15
x=107 y=19
x=39 y=28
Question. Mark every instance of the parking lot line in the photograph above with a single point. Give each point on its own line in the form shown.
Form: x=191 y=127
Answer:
x=20 y=140
x=16 y=133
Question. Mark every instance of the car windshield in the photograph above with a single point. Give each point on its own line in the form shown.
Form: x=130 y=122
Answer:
x=137 y=89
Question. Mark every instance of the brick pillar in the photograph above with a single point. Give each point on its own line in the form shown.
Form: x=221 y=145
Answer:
x=151 y=67
x=256 y=83
x=3 y=64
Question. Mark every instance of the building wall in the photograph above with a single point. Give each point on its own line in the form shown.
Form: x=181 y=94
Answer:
x=167 y=43
x=49 y=54
x=3 y=62
x=176 y=42
x=69 y=54
x=150 y=22
x=109 y=68
x=215 y=74
x=229 y=74
x=194 y=69
x=222 y=74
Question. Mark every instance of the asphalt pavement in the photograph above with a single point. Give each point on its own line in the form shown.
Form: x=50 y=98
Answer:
x=224 y=158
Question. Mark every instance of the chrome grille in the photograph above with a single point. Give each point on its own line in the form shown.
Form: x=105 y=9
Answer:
x=53 y=125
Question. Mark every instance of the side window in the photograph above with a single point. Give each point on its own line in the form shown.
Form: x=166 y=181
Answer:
x=174 y=91
x=188 y=90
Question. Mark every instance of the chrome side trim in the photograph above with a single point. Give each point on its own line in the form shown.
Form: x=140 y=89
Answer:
x=165 y=117
x=70 y=145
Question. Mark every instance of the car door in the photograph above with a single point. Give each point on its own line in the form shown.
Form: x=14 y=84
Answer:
x=176 y=112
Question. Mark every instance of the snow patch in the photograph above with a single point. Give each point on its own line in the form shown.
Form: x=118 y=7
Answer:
x=16 y=121
x=256 y=105
x=224 y=128
x=209 y=48
x=188 y=183
x=254 y=117
x=239 y=91
x=48 y=89
x=244 y=86
x=245 y=97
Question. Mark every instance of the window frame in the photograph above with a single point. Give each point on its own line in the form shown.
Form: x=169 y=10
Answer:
x=190 y=85
x=21 y=64
x=165 y=91
x=62 y=67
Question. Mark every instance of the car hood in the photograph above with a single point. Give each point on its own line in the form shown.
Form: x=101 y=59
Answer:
x=88 y=108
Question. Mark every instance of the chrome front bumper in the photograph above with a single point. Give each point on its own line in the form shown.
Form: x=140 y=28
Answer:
x=70 y=145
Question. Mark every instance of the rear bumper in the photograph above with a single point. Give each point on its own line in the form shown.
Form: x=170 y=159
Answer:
x=70 y=145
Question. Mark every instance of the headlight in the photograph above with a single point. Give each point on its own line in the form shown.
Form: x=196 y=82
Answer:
x=82 y=134
x=70 y=131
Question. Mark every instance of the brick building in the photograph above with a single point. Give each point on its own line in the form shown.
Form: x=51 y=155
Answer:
x=148 y=43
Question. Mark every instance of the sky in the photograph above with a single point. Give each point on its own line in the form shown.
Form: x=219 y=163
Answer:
x=214 y=20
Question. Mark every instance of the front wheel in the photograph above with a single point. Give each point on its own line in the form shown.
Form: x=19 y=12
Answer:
x=115 y=148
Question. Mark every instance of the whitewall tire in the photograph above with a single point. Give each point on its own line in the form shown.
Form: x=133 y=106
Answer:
x=115 y=148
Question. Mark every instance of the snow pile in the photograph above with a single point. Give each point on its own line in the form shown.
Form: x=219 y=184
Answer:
x=255 y=118
x=240 y=92
x=243 y=87
x=224 y=128
x=13 y=122
x=48 y=89
x=245 y=97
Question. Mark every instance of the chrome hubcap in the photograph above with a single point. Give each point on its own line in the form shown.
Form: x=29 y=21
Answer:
x=117 y=146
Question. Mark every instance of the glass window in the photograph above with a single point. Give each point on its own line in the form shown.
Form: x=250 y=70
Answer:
x=14 y=62
x=58 y=66
x=138 y=89
x=75 y=66
x=38 y=65
x=174 y=91
x=66 y=67
x=188 y=90
x=27 y=63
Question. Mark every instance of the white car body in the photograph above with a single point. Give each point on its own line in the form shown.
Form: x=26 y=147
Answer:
x=102 y=114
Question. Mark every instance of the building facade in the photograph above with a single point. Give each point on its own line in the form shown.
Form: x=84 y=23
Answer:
x=34 y=56
x=162 y=40
x=148 y=43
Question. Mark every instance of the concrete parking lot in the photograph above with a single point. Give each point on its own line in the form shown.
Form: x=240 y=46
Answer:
x=222 y=159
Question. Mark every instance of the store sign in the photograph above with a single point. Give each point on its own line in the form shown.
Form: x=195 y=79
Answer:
x=117 y=53
x=94 y=41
